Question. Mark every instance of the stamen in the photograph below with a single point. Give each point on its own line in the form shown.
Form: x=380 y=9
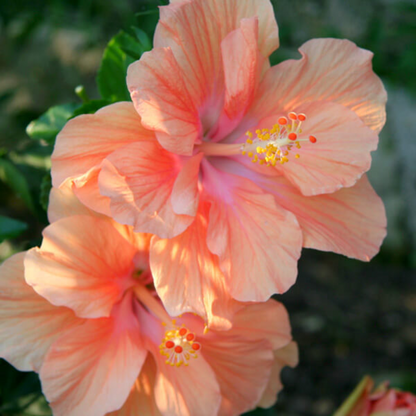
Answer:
x=271 y=146
x=179 y=346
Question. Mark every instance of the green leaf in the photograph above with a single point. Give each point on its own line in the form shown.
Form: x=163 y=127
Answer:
x=122 y=50
x=90 y=107
x=10 y=228
x=49 y=124
x=45 y=189
x=10 y=175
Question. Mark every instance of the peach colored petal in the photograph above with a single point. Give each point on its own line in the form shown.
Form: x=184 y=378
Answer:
x=141 y=400
x=160 y=95
x=267 y=320
x=243 y=63
x=386 y=404
x=86 y=140
x=197 y=47
x=338 y=158
x=185 y=193
x=242 y=357
x=87 y=191
x=187 y=276
x=258 y=243
x=139 y=179
x=29 y=324
x=83 y=263
x=63 y=203
x=90 y=370
x=330 y=70
x=286 y=356
x=351 y=221
x=186 y=390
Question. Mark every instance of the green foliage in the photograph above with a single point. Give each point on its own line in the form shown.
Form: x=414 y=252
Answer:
x=12 y=177
x=49 y=124
x=122 y=50
x=45 y=188
x=10 y=228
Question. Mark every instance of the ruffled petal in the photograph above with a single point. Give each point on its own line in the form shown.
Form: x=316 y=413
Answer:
x=258 y=243
x=86 y=140
x=160 y=95
x=63 y=203
x=330 y=70
x=242 y=357
x=84 y=263
x=91 y=370
x=243 y=63
x=141 y=400
x=339 y=157
x=268 y=320
x=351 y=221
x=286 y=356
x=197 y=47
x=29 y=324
x=139 y=179
x=187 y=276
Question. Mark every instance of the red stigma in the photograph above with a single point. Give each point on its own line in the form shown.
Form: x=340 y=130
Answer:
x=282 y=121
x=190 y=337
x=293 y=116
x=183 y=332
x=301 y=117
x=312 y=139
x=178 y=349
x=292 y=136
x=196 y=346
x=169 y=344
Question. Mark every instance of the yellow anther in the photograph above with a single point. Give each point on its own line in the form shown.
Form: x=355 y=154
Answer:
x=262 y=161
x=250 y=154
x=297 y=156
x=249 y=141
x=285 y=152
x=298 y=145
x=258 y=132
x=243 y=152
x=260 y=150
x=249 y=134
x=255 y=159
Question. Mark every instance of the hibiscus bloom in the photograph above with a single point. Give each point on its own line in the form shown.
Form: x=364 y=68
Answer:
x=228 y=160
x=383 y=401
x=82 y=312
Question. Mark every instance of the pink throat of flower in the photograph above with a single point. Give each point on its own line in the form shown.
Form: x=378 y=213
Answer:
x=272 y=146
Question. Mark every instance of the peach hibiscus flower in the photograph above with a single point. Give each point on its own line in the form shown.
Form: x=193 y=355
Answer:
x=178 y=161
x=82 y=312
x=383 y=401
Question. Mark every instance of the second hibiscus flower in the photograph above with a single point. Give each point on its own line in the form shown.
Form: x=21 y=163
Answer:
x=233 y=165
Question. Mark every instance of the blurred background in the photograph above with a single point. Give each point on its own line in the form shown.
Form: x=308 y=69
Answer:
x=349 y=318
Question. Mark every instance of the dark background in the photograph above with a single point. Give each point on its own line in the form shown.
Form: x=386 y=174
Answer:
x=349 y=318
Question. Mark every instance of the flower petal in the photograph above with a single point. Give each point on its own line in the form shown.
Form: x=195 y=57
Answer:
x=286 y=356
x=91 y=370
x=84 y=263
x=29 y=324
x=242 y=357
x=141 y=400
x=243 y=63
x=330 y=70
x=139 y=179
x=197 y=47
x=87 y=139
x=257 y=242
x=160 y=95
x=63 y=203
x=187 y=276
x=351 y=221
x=339 y=157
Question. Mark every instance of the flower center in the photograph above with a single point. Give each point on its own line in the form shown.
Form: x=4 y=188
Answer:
x=271 y=146
x=179 y=345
